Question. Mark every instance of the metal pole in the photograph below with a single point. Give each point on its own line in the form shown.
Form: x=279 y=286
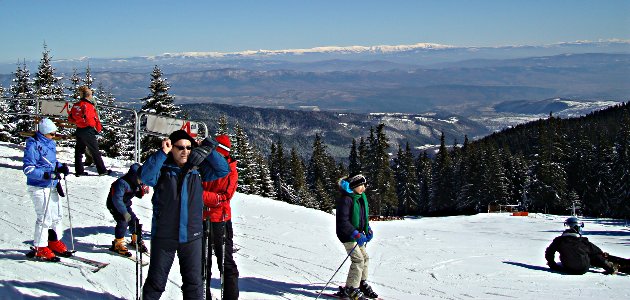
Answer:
x=69 y=213
x=344 y=261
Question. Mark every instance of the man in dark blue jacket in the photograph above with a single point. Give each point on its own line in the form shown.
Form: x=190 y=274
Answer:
x=176 y=173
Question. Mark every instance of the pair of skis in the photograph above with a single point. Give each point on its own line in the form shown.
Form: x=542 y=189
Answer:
x=80 y=262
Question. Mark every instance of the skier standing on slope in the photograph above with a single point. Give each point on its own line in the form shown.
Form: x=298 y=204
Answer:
x=216 y=198
x=42 y=172
x=119 y=205
x=176 y=173
x=353 y=230
x=577 y=253
x=83 y=114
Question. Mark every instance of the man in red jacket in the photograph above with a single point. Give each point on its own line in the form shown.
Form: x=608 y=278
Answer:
x=216 y=199
x=83 y=114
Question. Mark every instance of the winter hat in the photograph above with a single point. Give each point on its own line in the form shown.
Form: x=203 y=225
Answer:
x=46 y=126
x=356 y=180
x=224 y=144
x=180 y=135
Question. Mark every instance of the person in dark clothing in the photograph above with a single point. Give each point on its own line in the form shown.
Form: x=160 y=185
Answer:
x=353 y=230
x=119 y=205
x=216 y=199
x=577 y=253
x=83 y=115
x=176 y=173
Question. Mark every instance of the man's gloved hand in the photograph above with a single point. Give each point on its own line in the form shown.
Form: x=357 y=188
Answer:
x=63 y=169
x=359 y=238
x=370 y=234
x=60 y=189
x=51 y=175
x=127 y=217
x=209 y=142
x=197 y=155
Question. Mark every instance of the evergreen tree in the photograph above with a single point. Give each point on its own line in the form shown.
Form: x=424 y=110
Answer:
x=87 y=79
x=248 y=175
x=75 y=83
x=321 y=168
x=279 y=174
x=5 y=132
x=222 y=125
x=407 y=188
x=23 y=102
x=355 y=163
x=118 y=136
x=621 y=169
x=425 y=181
x=442 y=200
x=160 y=103
x=266 y=188
x=384 y=186
x=47 y=85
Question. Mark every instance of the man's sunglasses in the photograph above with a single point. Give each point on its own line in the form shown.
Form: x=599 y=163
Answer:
x=181 y=148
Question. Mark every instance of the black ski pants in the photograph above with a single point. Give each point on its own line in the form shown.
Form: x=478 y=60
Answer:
x=86 y=138
x=230 y=286
x=121 y=224
x=162 y=257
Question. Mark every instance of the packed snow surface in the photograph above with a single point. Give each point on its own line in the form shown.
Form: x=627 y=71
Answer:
x=290 y=252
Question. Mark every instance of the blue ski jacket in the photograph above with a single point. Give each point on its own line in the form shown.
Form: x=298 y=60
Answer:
x=40 y=156
x=178 y=198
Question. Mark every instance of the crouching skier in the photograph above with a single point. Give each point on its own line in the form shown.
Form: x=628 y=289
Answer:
x=42 y=172
x=119 y=205
x=176 y=173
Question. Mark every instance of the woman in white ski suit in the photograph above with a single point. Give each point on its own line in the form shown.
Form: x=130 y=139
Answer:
x=42 y=176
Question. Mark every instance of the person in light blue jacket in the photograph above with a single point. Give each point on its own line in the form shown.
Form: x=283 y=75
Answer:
x=176 y=173
x=42 y=172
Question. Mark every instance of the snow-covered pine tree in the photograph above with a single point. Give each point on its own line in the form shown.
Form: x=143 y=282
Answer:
x=320 y=168
x=264 y=181
x=279 y=174
x=47 y=85
x=118 y=136
x=73 y=87
x=158 y=102
x=22 y=101
x=248 y=176
x=88 y=80
x=354 y=166
x=383 y=184
x=222 y=125
x=621 y=168
x=5 y=133
x=425 y=180
x=298 y=178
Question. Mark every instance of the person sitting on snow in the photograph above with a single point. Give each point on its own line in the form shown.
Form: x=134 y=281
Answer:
x=353 y=230
x=577 y=253
x=42 y=172
x=119 y=205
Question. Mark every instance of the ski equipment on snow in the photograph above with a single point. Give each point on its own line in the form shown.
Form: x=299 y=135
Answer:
x=331 y=277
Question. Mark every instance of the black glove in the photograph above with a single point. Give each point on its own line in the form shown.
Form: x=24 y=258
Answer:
x=209 y=142
x=63 y=169
x=554 y=266
x=51 y=175
x=197 y=155
x=142 y=190
x=60 y=189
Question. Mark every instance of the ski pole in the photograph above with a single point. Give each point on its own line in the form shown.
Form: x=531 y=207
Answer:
x=65 y=182
x=223 y=257
x=204 y=257
x=138 y=281
x=329 y=280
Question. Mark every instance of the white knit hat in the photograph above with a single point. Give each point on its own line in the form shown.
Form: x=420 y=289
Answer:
x=46 y=126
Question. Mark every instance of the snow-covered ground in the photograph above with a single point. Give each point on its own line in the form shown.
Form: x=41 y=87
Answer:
x=290 y=252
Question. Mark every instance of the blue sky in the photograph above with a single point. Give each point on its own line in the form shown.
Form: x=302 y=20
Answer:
x=137 y=27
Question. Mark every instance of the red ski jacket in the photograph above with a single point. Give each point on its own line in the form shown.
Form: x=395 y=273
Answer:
x=218 y=193
x=83 y=114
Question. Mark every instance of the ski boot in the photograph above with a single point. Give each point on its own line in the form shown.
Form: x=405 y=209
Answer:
x=134 y=240
x=57 y=246
x=118 y=246
x=367 y=291
x=350 y=293
x=611 y=268
x=42 y=253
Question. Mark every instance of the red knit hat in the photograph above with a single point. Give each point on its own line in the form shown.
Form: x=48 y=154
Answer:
x=224 y=144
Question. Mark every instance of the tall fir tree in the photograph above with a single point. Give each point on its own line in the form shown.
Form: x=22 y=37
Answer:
x=248 y=175
x=5 y=129
x=158 y=102
x=621 y=169
x=425 y=181
x=118 y=139
x=354 y=166
x=222 y=125
x=22 y=102
x=266 y=187
x=383 y=184
x=407 y=188
x=75 y=83
x=442 y=200
x=47 y=85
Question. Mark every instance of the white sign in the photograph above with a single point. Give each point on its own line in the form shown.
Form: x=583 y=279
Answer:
x=166 y=125
x=55 y=108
